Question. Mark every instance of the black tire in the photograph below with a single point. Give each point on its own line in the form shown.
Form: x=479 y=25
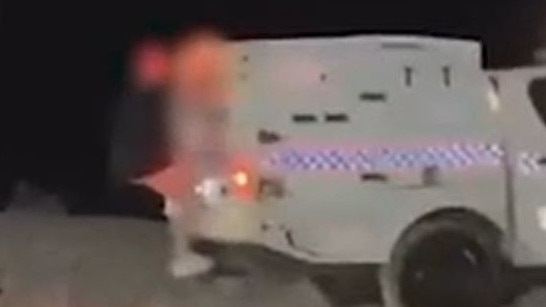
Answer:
x=449 y=261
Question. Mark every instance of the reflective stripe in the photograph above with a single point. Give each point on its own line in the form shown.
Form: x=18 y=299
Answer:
x=528 y=163
x=451 y=156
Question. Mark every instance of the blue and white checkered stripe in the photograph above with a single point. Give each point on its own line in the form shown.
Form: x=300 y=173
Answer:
x=528 y=163
x=451 y=156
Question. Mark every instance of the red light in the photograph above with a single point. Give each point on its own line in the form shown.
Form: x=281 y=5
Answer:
x=241 y=178
x=242 y=184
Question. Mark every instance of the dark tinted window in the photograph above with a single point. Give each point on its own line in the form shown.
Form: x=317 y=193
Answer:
x=537 y=93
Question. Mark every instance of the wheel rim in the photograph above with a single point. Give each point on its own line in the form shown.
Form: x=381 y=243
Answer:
x=445 y=269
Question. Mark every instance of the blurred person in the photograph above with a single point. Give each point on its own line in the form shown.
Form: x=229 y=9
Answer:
x=198 y=93
x=139 y=145
x=170 y=134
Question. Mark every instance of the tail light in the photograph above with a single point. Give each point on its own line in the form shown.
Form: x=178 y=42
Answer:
x=240 y=183
x=241 y=179
x=243 y=185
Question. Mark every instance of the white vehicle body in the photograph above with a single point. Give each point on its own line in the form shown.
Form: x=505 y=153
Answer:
x=375 y=132
x=523 y=103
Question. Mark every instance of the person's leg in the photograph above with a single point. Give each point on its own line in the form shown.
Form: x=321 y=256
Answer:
x=185 y=262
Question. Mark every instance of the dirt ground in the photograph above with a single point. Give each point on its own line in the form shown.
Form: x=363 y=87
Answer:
x=48 y=259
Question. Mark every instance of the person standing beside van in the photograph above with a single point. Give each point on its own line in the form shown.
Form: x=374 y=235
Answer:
x=138 y=145
x=198 y=93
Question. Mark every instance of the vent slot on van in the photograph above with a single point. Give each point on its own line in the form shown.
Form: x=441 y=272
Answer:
x=336 y=117
x=402 y=46
x=408 y=75
x=373 y=97
x=304 y=118
x=446 y=70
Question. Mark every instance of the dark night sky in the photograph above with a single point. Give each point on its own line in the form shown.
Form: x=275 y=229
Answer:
x=62 y=60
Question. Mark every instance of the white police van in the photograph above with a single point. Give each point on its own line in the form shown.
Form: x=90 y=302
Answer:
x=396 y=151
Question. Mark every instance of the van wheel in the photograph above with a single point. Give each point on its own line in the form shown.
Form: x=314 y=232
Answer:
x=450 y=261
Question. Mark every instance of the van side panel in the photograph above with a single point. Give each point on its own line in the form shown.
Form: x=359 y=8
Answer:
x=397 y=115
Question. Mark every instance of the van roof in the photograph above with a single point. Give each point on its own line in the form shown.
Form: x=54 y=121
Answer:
x=386 y=41
x=539 y=70
x=372 y=44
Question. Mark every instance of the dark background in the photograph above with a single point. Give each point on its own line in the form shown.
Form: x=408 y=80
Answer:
x=62 y=61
